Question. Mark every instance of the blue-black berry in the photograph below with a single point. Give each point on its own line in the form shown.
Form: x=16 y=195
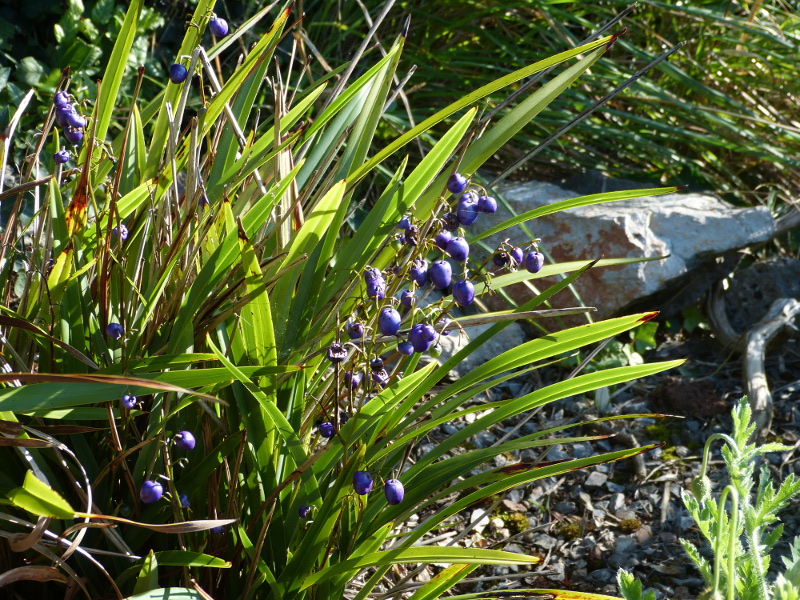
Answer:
x=405 y=347
x=74 y=136
x=467 y=211
x=151 y=491
x=394 y=492
x=352 y=380
x=458 y=249
x=61 y=156
x=420 y=338
x=178 y=73
x=362 y=482
x=326 y=429
x=534 y=261
x=442 y=238
x=218 y=26
x=419 y=271
x=456 y=183
x=61 y=99
x=114 y=330
x=389 y=321
x=336 y=353
x=487 y=204
x=463 y=292
x=129 y=401
x=355 y=330
x=408 y=298
x=121 y=232
x=304 y=511
x=185 y=440
x=441 y=273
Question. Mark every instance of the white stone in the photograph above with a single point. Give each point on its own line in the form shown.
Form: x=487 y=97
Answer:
x=688 y=228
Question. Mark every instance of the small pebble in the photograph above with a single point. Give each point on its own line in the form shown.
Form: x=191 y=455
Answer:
x=595 y=479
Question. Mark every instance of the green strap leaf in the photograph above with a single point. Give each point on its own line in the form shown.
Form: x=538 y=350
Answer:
x=422 y=555
x=40 y=499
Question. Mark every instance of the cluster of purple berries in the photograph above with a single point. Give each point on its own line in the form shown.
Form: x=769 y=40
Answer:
x=153 y=490
x=69 y=119
x=392 y=489
x=383 y=315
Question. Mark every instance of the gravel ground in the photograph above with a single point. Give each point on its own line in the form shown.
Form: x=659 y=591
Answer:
x=629 y=514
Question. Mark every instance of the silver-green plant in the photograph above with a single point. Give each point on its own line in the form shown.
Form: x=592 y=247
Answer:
x=742 y=533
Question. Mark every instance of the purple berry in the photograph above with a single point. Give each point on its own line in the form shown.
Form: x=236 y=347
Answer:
x=408 y=298
x=501 y=259
x=372 y=274
x=394 y=492
x=336 y=353
x=62 y=112
x=441 y=273
x=450 y=221
x=355 y=330
x=458 y=249
x=61 y=156
x=121 y=232
x=419 y=338
x=352 y=380
x=456 y=183
x=411 y=235
x=376 y=364
x=463 y=293
x=487 y=204
x=129 y=401
x=115 y=330
x=218 y=26
x=376 y=289
x=178 y=73
x=467 y=212
x=405 y=222
x=151 y=491
x=380 y=377
x=516 y=255
x=185 y=440
x=74 y=120
x=61 y=99
x=389 y=321
x=74 y=136
x=534 y=261
x=419 y=271
x=428 y=332
x=326 y=429
x=362 y=482
x=184 y=500
x=405 y=347
x=304 y=511
x=442 y=238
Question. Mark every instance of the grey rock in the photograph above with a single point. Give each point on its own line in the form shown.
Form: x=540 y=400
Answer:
x=614 y=487
x=602 y=575
x=616 y=503
x=558 y=452
x=690 y=229
x=581 y=450
x=595 y=479
x=624 y=543
x=566 y=507
x=544 y=541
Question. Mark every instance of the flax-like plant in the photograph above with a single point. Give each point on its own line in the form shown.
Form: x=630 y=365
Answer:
x=187 y=313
